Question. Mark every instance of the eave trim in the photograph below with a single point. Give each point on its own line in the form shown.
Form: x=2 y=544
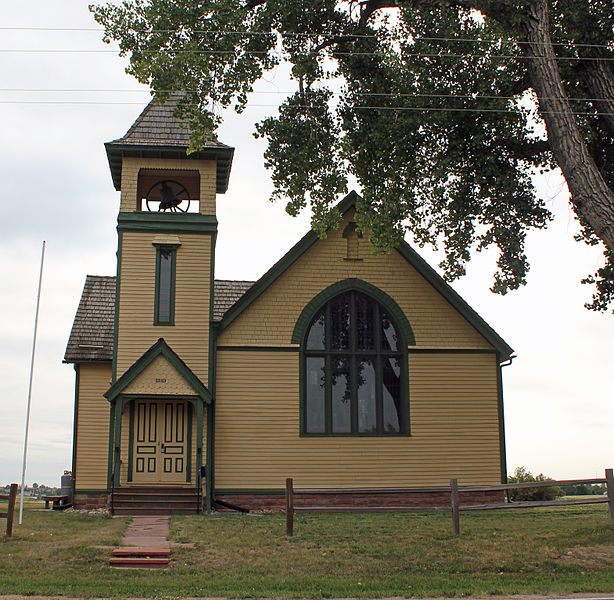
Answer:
x=160 y=348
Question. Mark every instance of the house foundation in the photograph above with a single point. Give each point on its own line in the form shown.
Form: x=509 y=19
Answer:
x=277 y=501
x=91 y=500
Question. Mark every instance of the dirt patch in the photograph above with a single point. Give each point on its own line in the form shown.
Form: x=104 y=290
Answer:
x=597 y=556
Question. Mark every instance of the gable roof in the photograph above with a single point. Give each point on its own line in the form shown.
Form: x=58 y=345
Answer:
x=410 y=255
x=91 y=338
x=226 y=293
x=160 y=348
x=158 y=133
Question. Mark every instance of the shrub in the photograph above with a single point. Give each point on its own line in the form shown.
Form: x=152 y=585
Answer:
x=521 y=475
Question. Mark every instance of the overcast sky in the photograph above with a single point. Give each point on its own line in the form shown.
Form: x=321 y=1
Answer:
x=55 y=185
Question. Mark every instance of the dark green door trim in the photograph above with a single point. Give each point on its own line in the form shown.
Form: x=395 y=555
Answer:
x=118 y=405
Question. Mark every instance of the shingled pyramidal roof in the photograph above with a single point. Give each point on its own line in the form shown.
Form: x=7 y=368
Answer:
x=158 y=132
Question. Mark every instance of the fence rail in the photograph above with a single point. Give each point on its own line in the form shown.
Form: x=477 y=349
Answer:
x=10 y=513
x=454 y=491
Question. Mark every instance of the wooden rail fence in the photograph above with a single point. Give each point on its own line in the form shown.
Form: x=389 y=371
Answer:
x=10 y=513
x=454 y=490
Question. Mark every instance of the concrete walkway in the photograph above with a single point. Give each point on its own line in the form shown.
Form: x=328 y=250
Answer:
x=147 y=533
x=145 y=545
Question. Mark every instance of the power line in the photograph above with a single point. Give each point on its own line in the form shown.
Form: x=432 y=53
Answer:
x=279 y=54
x=307 y=106
x=290 y=92
x=314 y=34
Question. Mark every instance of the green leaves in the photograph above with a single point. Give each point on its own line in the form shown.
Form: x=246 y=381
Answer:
x=305 y=156
x=427 y=106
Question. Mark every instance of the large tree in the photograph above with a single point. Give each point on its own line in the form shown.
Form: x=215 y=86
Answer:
x=442 y=110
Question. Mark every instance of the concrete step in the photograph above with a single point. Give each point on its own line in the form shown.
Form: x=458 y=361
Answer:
x=153 y=502
x=135 y=511
x=141 y=552
x=144 y=500
x=127 y=562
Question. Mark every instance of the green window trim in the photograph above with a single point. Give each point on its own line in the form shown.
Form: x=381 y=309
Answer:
x=377 y=356
x=165 y=283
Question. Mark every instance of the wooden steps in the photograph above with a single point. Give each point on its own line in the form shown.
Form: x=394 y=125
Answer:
x=135 y=501
x=140 y=558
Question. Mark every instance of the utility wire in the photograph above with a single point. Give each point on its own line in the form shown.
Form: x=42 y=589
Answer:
x=314 y=34
x=279 y=54
x=288 y=93
x=310 y=107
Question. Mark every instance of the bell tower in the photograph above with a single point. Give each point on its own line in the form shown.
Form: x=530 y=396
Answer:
x=166 y=239
x=162 y=343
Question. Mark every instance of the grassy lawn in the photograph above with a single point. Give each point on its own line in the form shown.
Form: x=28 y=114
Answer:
x=561 y=550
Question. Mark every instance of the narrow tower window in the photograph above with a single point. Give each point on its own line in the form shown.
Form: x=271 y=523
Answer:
x=164 y=302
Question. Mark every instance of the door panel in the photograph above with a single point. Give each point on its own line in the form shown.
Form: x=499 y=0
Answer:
x=160 y=447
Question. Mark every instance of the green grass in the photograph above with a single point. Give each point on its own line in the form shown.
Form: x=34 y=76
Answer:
x=524 y=551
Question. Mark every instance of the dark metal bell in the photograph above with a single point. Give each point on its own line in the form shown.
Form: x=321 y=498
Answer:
x=168 y=200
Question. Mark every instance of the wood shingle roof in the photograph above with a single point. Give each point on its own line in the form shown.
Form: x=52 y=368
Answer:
x=158 y=126
x=158 y=133
x=91 y=338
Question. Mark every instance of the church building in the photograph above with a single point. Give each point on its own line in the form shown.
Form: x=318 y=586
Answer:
x=339 y=368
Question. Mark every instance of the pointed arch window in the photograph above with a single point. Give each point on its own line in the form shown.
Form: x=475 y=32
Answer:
x=355 y=370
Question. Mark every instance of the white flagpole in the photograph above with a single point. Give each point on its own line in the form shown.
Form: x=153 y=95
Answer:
x=25 y=443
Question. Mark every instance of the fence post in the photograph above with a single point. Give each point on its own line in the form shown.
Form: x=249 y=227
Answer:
x=289 y=507
x=11 y=510
x=454 y=501
x=609 y=481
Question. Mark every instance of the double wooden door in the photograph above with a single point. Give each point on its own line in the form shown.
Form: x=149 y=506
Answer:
x=160 y=443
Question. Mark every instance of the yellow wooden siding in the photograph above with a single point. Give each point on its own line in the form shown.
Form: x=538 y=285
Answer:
x=160 y=377
x=270 y=320
x=92 y=428
x=130 y=172
x=453 y=414
x=189 y=337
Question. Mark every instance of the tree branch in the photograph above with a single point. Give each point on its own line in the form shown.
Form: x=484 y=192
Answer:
x=590 y=194
x=253 y=3
x=523 y=148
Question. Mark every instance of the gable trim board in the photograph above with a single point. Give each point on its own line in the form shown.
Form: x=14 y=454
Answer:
x=412 y=257
x=160 y=348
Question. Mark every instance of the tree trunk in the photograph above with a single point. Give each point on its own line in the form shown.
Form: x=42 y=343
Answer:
x=600 y=82
x=590 y=194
